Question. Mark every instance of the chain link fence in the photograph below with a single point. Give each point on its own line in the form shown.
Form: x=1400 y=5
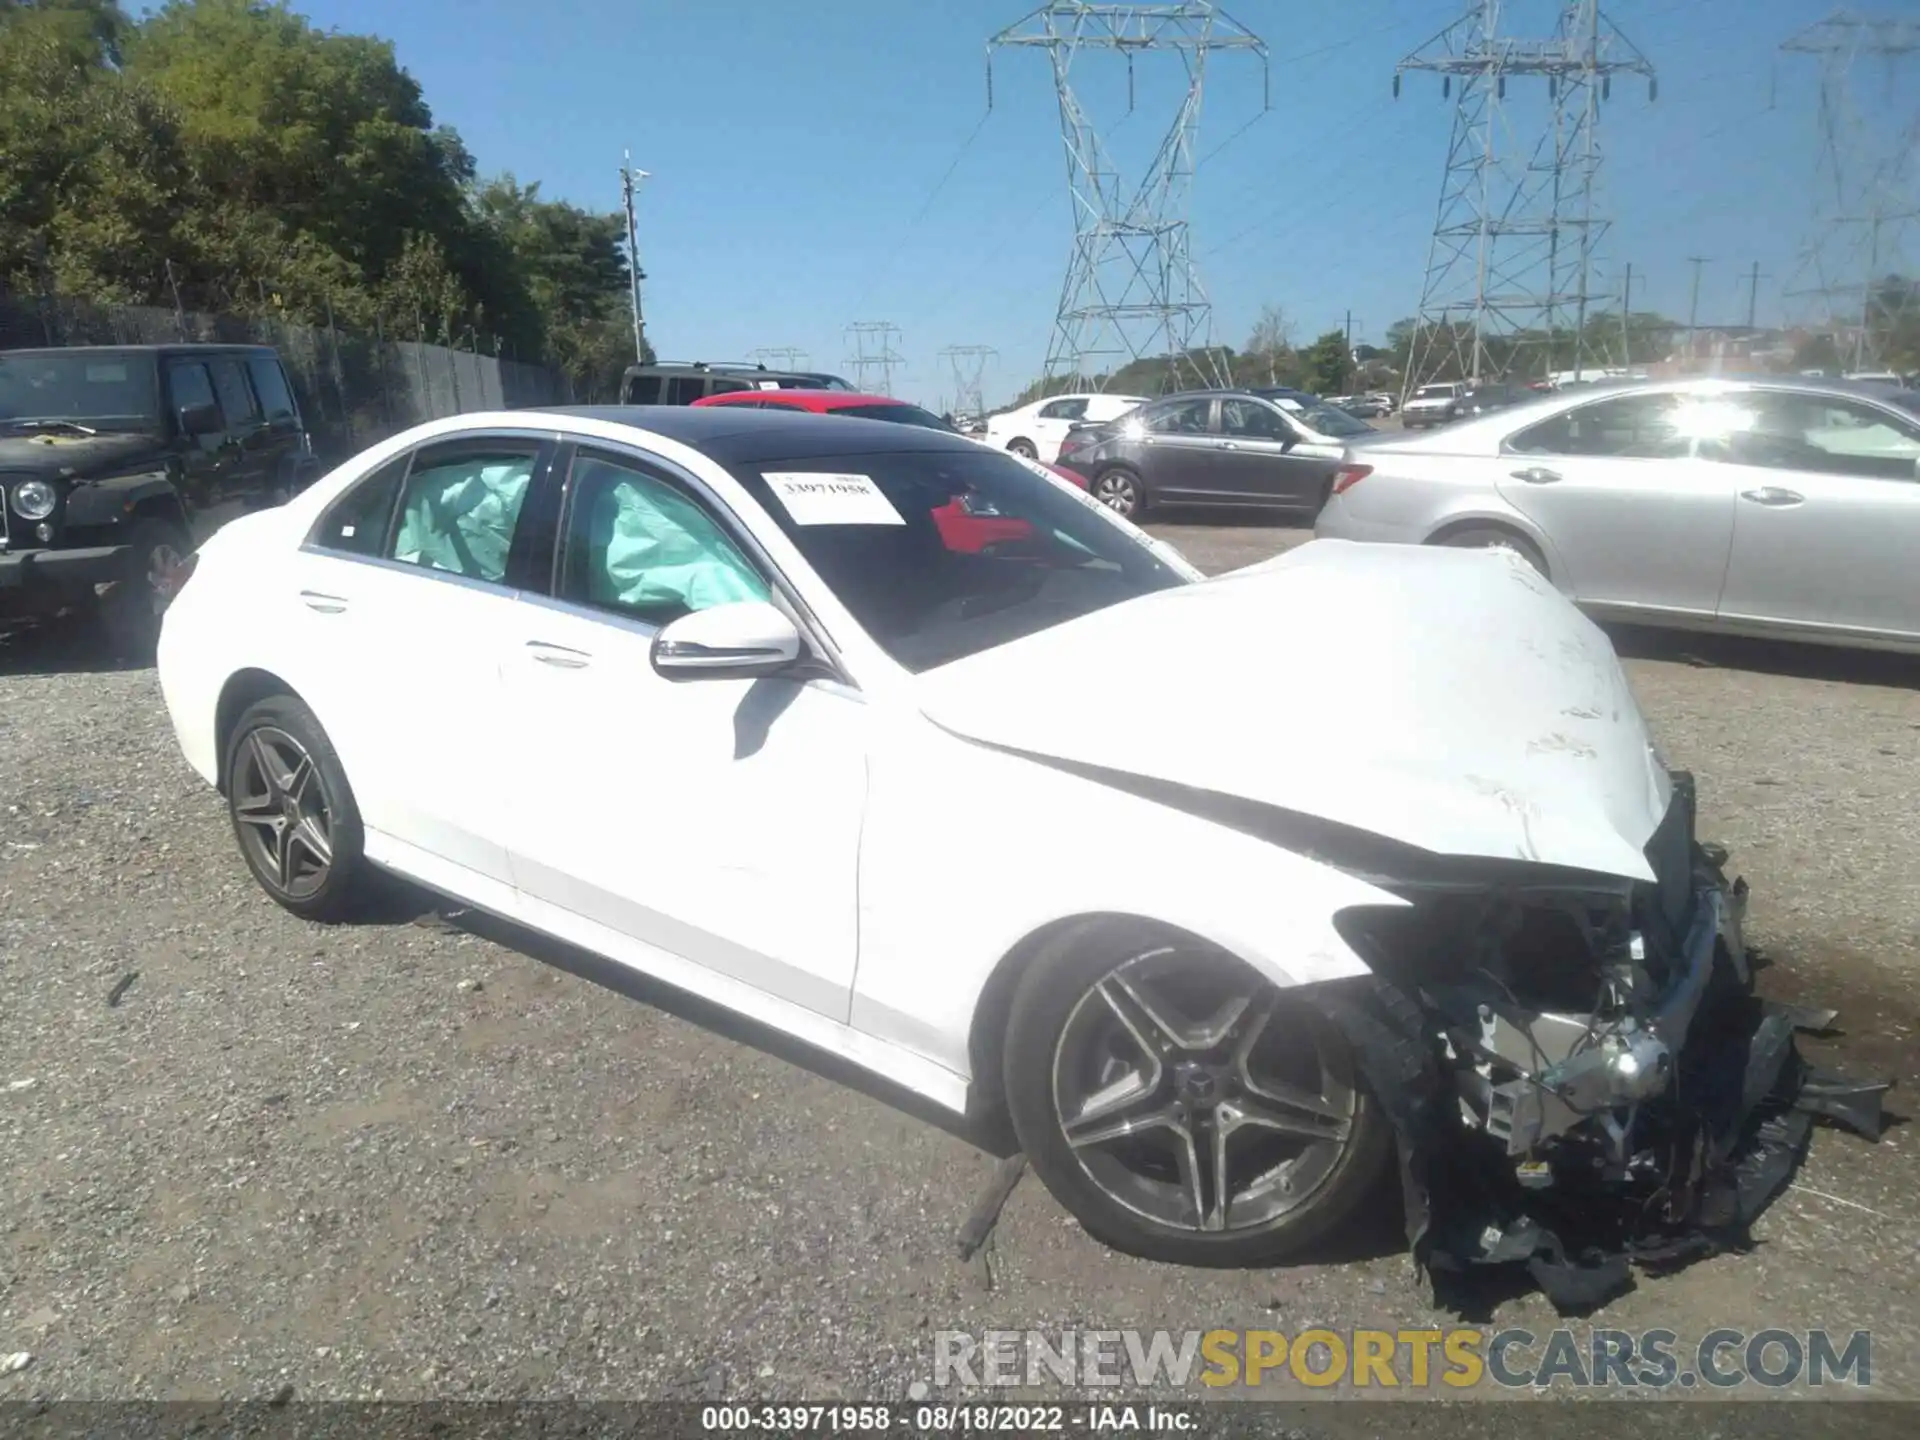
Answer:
x=353 y=389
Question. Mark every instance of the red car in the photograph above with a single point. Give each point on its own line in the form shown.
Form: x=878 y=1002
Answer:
x=962 y=528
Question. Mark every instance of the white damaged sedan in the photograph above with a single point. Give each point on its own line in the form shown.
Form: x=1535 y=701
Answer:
x=912 y=752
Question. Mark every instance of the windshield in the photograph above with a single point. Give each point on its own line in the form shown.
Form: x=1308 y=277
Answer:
x=1434 y=392
x=96 y=390
x=898 y=414
x=941 y=554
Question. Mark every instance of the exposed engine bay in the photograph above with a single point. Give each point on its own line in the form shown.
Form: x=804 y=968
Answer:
x=1580 y=1075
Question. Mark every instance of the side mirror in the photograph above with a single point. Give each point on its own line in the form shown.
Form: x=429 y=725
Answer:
x=747 y=638
x=197 y=420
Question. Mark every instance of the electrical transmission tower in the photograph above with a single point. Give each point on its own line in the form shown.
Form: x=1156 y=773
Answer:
x=873 y=354
x=1131 y=290
x=779 y=357
x=1512 y=259
x=1867 y=200
x=969 y=364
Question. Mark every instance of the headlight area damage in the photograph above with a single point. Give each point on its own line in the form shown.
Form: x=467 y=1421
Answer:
x=1580 y=1075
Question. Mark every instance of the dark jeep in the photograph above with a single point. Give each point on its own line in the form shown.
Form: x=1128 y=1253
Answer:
x=116 y=461
x=681 y=382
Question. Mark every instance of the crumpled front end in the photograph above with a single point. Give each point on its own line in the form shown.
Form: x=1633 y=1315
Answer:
x=1581 y=1077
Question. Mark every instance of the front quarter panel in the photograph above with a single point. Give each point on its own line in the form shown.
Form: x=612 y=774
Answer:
x=969 y=850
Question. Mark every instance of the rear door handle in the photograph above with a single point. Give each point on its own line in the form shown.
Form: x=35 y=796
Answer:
x=1773 y=495
x=558 y=656
x=325 y=604
x=1537 y=475
x=1229 y=445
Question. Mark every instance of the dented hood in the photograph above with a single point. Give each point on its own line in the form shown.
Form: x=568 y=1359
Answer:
x=1448 y=699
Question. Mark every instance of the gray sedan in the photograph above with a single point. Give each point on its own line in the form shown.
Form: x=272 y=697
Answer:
x=1785 y=507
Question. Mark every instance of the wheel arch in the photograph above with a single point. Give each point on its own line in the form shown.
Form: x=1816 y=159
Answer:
x=987 y=1033
x=1460 y=524
x=243 y=688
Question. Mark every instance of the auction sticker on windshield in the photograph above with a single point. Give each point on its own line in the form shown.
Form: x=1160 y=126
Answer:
x=832 y=499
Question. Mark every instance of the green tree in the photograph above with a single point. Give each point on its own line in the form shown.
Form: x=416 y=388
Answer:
x=1327 y=363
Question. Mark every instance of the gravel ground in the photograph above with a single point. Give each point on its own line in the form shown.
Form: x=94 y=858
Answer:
x=400 y=1159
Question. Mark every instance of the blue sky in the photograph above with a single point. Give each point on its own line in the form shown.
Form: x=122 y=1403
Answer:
x=798 y=152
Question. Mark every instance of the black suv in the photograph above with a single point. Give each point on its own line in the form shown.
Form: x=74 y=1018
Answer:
x=675 y=382
x=116 y=461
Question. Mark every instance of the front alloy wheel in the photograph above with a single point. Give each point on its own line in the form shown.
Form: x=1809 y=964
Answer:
x=1189 y=1109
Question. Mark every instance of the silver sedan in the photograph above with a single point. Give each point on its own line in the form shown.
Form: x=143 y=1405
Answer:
x=1782 y=507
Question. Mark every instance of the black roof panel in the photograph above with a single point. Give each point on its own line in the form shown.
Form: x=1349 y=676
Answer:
x=736 y=435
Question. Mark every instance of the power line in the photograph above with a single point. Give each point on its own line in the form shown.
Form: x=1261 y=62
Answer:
x=876 y=275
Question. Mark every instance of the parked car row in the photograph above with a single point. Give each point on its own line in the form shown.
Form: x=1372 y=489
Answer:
x=1785 y=507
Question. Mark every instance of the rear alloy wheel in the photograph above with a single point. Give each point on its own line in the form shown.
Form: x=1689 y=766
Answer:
x=1184 y=1108
x=293 y=813
x=1024 y=449
x=1487 y=537
x=1120 y=491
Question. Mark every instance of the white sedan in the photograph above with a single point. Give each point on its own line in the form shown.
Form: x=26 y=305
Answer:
x=1036 y=429
x=913 y=752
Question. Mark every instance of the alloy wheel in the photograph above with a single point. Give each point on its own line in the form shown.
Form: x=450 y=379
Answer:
x=282 y=813
x=1193 y=1093
x=1117 y=492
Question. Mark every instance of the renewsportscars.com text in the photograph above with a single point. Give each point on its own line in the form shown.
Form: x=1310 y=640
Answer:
x=1453 y=1359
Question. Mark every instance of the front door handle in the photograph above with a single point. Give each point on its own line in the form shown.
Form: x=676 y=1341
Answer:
x=558 y=656
x=1537 y=475
x=1773 y=495
x=1229 y=445
x=325 y=604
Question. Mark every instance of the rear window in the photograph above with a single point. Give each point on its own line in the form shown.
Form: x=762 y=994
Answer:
x=898 y=414
x=941 y=554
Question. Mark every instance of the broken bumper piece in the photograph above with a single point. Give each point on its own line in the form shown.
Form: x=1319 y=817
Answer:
x=1582 y=1144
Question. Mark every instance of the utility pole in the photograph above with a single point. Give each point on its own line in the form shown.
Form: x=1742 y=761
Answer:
x=1626 y=317
x=1346 y=368
x=1693 y=304
x=628 y=175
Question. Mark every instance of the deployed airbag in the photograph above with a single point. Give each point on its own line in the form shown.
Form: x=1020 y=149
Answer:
x=647 y=546
x=460 y=518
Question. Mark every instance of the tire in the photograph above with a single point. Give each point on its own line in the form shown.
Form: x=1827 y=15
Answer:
x=1120 y=1177
x=282 y=827
x=1121 y=490
x=130 y=613
x=1490 y=537
x=1024 y=448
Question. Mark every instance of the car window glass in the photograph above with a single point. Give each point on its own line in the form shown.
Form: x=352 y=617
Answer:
x=1063 y=410
x=685 y=389
x=189 y=384
x=1250 y=420
x=1184 y=417
x=728 y=387
x=356 y=523
x=270 y=384
x=1835 y=436
x=943 y=553
x=459 y=508
x=643 y=390
x=236 y=397
x=636 y=545
x=1639 y=427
